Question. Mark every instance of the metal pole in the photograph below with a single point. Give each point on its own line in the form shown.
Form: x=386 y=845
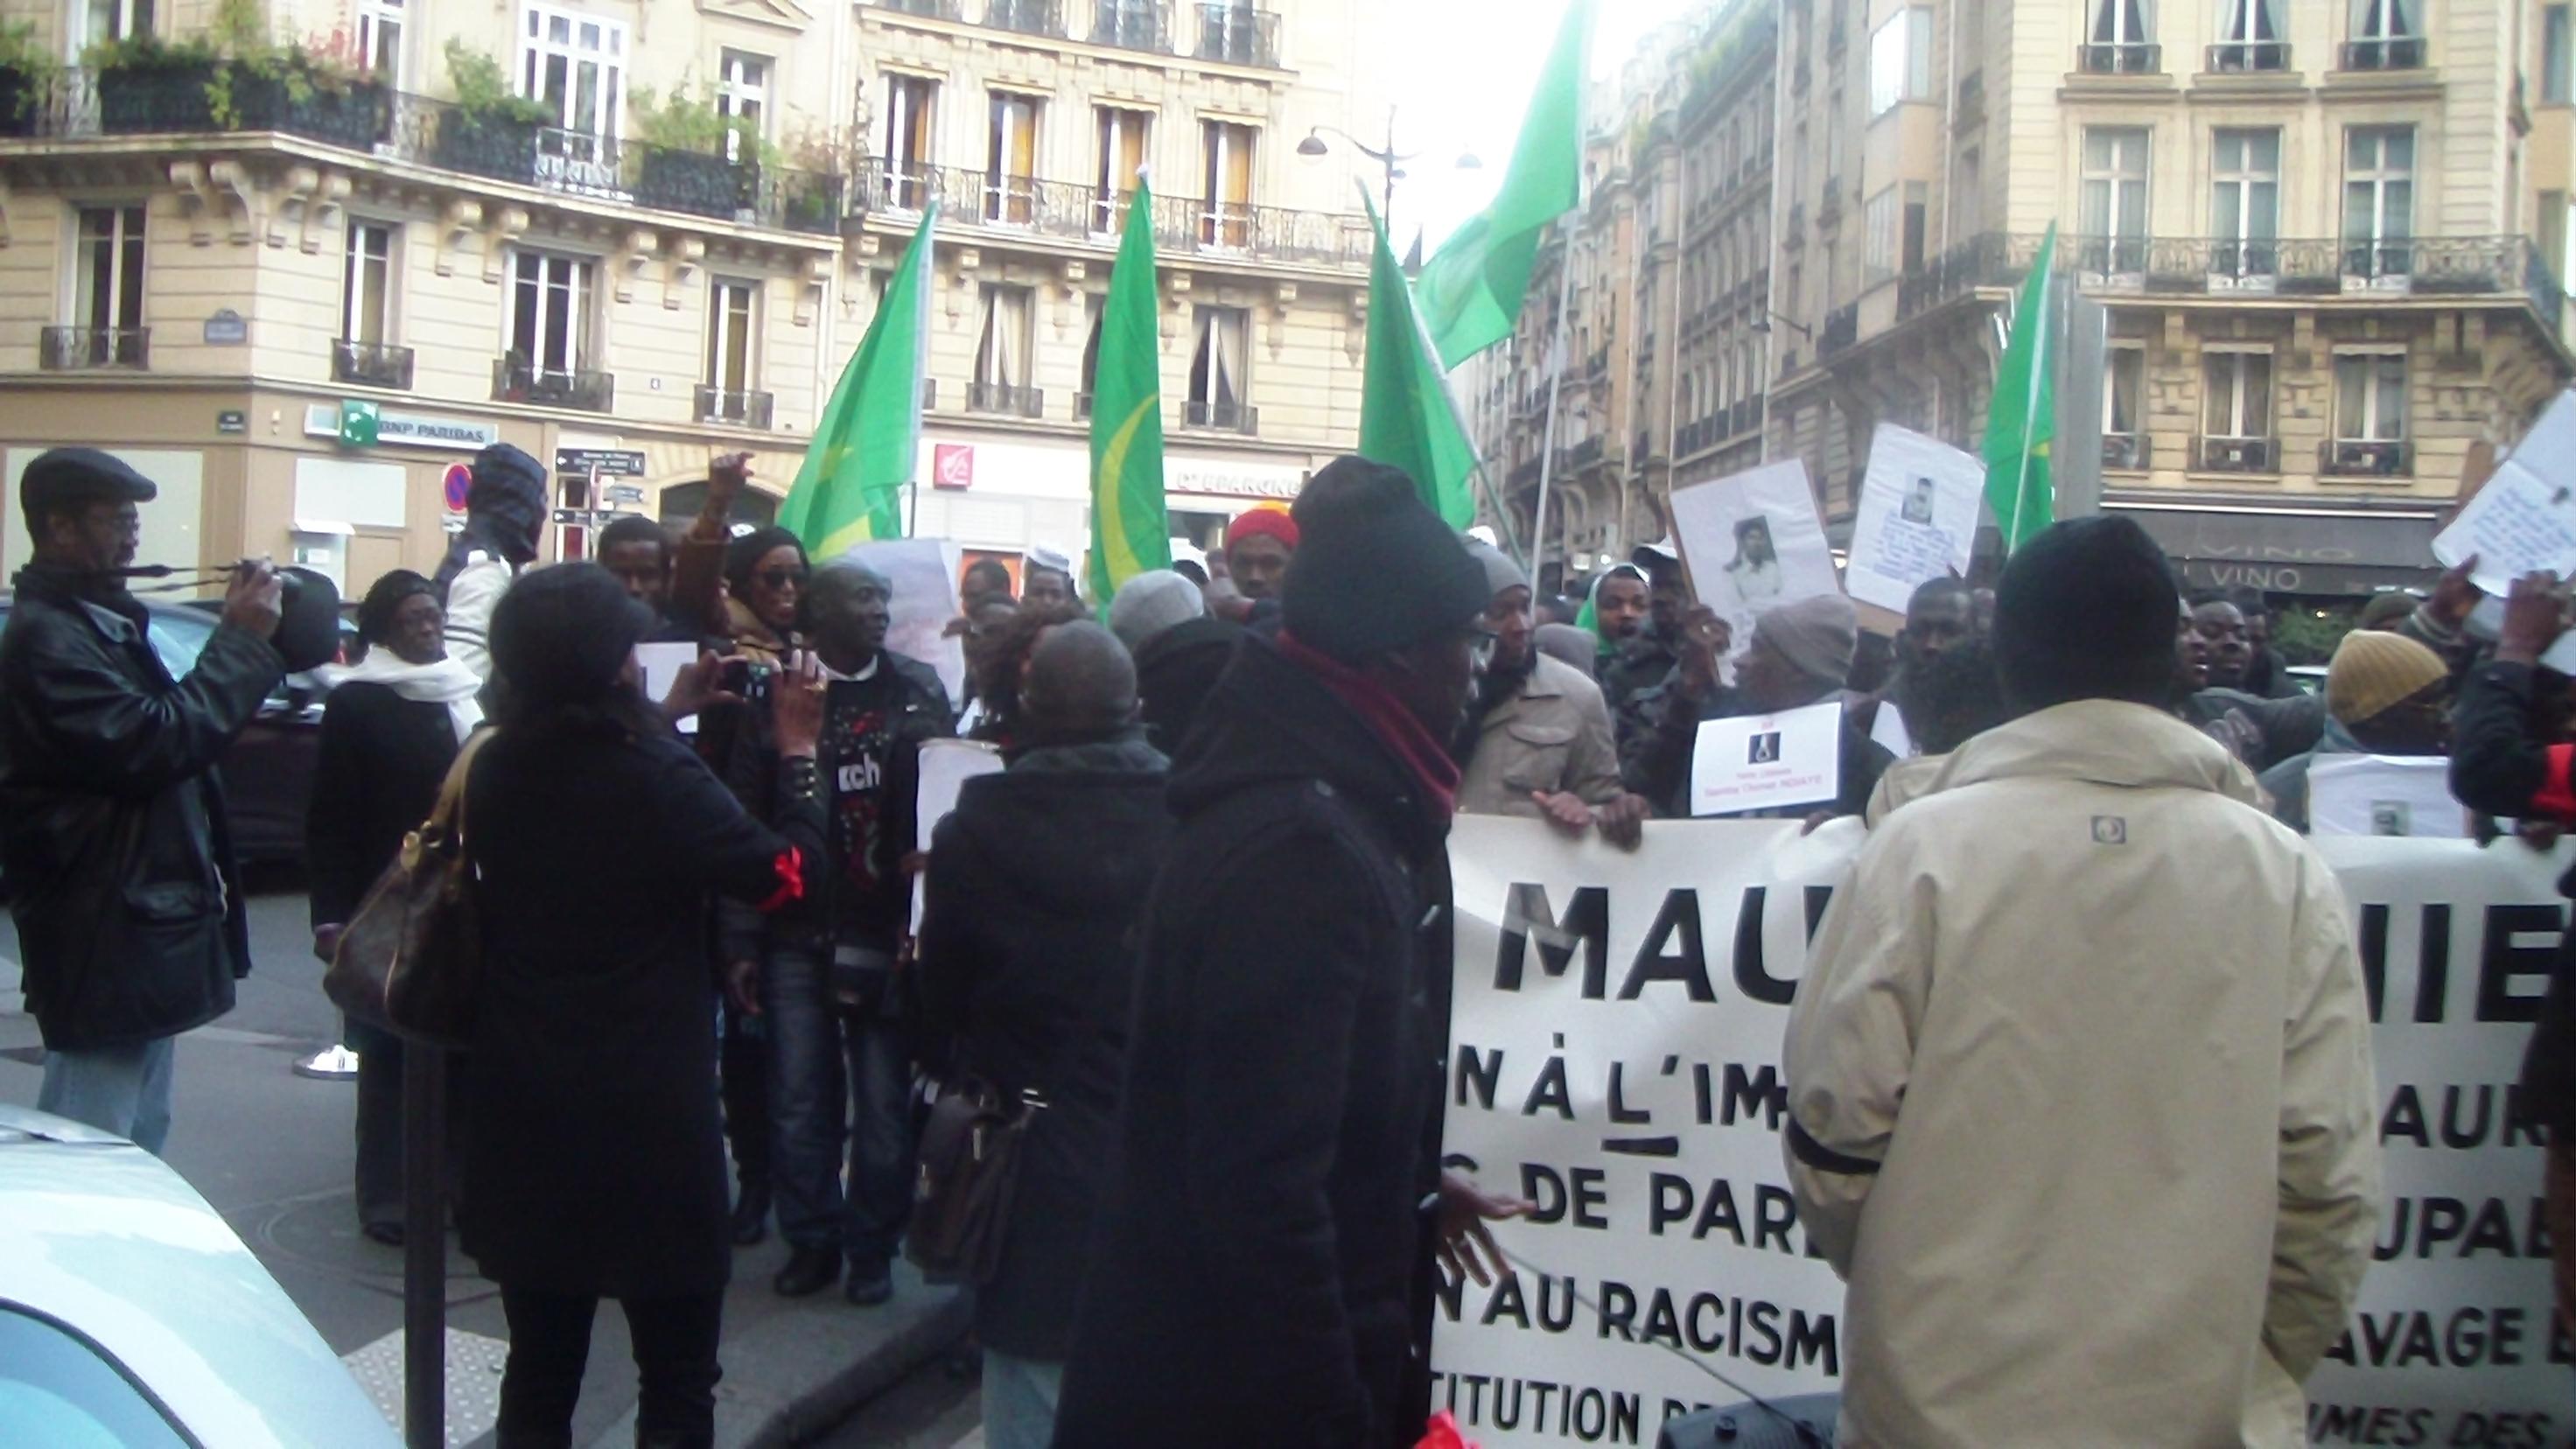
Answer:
x=424 y=1247
x=1555 y=381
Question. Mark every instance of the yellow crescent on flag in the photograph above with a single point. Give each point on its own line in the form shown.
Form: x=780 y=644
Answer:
x=1111 y=521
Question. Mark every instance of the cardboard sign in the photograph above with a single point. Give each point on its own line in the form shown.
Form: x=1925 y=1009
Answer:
x=1918 y=516
x=1753 y=542
x=1768 y=761
x=2524 y=519
x=946 y=766
x=2384 y=795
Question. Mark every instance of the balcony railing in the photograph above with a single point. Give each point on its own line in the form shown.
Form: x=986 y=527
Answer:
x=2122 y=57
x=1841 y=330
x=2366 y=458
x=2236 y=455
x=1081 y=406
x=741 y=407
x=1028 y=17
x=1082 y=210
x=515 y=379
x=78 y=349
x=1132 y=25
x=2398 y=52
x=2249 y=55
x=2125 y=450
x=1005 y=400
x=926 y=9
x=1238 y=35
x=371 y=364
x=1222 y=417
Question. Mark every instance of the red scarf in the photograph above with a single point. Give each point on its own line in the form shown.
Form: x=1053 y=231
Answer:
x=1389 y=719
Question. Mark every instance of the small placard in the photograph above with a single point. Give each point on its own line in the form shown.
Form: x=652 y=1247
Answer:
x=232 y=420
x=662 y=665
x=1768 y=761
x=2384 y=795
x=227 y=328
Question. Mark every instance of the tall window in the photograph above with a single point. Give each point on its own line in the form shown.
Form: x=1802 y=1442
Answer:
x=1914 y=226
x=2249 y=37
x=1011 y=160
x=2245 y=202
x=574 y=65
x=380 y=39
x=730 y=309
x=2115 y=200
x=2384 y=36
x=2558 y=54
x=1878 y=259
x=911 y=103
x=1002 y=353
x=2124 y=376
x=1095 y=304
x=366 y=291
x=2122 y=40
x=2236 y=394
x=550 y=301
x=1123 y=136
x=2378 y=201
x=1218 y=359
x=2370 y=397
x=1227 y=181
x=109 y=287
x=742 y=98
x=1900 y=60
x=116 y=19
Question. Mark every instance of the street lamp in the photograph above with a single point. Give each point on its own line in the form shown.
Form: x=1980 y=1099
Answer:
x=1769 y=316
x=1387 y=157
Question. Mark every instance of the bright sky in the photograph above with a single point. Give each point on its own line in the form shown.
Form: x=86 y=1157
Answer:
x=1470 y=67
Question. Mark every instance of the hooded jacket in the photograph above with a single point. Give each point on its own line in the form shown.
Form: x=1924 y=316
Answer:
x=1035 y=885
x=2081 y=1100
x=1258 y=1242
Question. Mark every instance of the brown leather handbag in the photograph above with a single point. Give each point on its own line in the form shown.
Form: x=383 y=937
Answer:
x=968 y=1171
x=409 y=960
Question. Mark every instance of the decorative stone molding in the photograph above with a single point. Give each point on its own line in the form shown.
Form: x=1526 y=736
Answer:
x=507 y=226
x=685 y=259
x=462 y=219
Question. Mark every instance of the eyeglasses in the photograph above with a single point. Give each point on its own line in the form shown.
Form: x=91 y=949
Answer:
x=783 y=578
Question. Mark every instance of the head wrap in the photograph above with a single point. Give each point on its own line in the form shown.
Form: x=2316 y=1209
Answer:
x=2373 y=671
x=1375 y=569
x=1589 y=617
x=561 y=634
x=384 y=596
x=505 y=508
x=1151 y=602
x=1263 y=523
x=1048 y=556
x=1816 y=635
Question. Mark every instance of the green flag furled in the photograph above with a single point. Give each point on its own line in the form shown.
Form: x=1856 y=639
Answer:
x=2022 y=417
x=849 y=490
x=1130 y=530
x=1471 y=288
x=1405 y=417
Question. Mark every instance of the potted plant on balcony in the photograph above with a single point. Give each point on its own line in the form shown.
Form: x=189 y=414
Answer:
x=27 y=76
x=148 y=84
x=696 y=158
x=319 y=91
x=810 y=196
x=492 y=130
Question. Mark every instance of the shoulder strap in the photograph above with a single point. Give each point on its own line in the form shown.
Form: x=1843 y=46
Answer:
x=448 y=815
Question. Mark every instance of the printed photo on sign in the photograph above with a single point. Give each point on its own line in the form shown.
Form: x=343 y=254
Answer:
x=924 y=574
x=1753 y=542
x=1917 y=521
x=2383 y=795
x=1768 y=762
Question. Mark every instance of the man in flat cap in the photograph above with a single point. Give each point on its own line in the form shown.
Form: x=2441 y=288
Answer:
x=112 y=832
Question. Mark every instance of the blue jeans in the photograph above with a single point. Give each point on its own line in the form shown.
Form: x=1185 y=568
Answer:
x=837 y=1079
x=120 y=1089
x=1020 y=1397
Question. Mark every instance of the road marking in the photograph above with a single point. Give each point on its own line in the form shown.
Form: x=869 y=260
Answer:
x=474 y=1365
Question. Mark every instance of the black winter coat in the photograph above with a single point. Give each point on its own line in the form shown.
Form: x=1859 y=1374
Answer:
x=376 y=774
x=112 y=834
x=593 y=1161
x=1174 y=672
x=1259 y=1241
x=1035 y=888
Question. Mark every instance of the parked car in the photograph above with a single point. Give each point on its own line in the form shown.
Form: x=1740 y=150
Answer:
x=132 y=1316
x=268 y=772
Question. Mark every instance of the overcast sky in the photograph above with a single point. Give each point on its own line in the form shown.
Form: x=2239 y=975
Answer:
x=1477 y=60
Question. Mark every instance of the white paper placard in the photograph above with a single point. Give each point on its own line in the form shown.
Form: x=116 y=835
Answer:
x=1753 y=542
x=946 y=766
x=1767 y=761
x=1887 y=730
x=2384 y=795
x=1918 y=517
x=2524 y=520
x=662 y=665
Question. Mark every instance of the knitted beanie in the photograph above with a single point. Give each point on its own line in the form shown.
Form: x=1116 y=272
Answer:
x=1375 y=569
x=2373 y=670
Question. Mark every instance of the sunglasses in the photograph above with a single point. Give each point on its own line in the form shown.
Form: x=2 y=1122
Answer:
x=782 y=578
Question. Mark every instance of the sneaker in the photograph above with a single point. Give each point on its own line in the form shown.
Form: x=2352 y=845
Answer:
x=808 y=1271
x=871 y=1283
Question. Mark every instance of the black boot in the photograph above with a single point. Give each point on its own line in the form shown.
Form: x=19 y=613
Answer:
x=808 y=1271
x=871 y=1281
x=751 y=1214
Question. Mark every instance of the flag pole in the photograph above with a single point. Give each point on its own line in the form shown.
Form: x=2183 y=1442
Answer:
x=1555 y=381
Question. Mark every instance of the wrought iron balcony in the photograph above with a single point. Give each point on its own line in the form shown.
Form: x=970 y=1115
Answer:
x=1005 y=400
x=2236 y=455
x=79 y=349
x=515 y=379
x=926 y=9
x=2366 y=458
x=1841 y=330
x=2126 y=450
x=1132 y=25
x=1238 y=34
x=2233 y=56
x=1083 y=211
x=1222 y=417
x=370 y=364
x=1081 y=406
x=2387 y=52
x=2124 y=57
x=1028 y=17
x=741 y=407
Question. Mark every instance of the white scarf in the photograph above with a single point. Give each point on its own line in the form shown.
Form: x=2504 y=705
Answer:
x=446 y=682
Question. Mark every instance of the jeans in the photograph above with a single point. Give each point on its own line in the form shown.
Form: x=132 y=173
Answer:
x=119 y=1089
x=1020 y=1397
x=837 y=1079
x=675 y=1365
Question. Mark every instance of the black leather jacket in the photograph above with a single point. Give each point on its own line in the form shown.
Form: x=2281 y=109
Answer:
x=120 y=872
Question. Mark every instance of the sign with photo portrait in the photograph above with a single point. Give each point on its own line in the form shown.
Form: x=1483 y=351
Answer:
x=1752 y=542
x=1918 y=516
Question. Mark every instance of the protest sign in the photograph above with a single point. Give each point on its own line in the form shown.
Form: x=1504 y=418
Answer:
x=1918 y=516
x=1752 y=542
x=2383 y=795
x=662 y=665
x=2524 y=519
x=924 y=574
x=946 y=766
x=1615 y=1045
x=1767 y=761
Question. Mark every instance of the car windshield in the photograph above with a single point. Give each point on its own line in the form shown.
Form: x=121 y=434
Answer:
x=56 y=1389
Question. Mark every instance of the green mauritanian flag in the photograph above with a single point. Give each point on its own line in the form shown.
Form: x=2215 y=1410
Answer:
x=1471 y=288
x=1130 y=530
x=1405 y=417
x=849 y=490
x=2022 y=417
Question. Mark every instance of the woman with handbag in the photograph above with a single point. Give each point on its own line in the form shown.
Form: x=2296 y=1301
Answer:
x=595 y=1163
x=389 y=731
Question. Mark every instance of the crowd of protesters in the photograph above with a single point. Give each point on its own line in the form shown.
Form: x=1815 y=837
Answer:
x=1203 y=914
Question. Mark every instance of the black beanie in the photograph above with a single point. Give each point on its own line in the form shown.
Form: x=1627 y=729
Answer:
x=2087 y=610
x=376 y=611
x=745 y=553
x=560 y=635
x=1375 y=568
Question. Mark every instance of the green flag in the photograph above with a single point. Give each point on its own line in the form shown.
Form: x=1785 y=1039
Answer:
x=1130 y=531
x=2022 y=417
x=1405 y=417
x=1471 y=287
x=849 y=489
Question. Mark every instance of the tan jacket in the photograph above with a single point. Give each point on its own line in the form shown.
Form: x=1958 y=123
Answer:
x=1554 y=736
x=2081 y=1099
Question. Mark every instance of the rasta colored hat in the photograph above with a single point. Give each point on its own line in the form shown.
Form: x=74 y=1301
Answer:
x=1375 y=569
x=561 y=634
x=1263 y=523
x=2373 y=671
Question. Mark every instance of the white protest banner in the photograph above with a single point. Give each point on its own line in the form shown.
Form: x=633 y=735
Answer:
x=662 y=665
x=1752 y=542
x=1918 y=516
x=1768 y=761
x=1615 y=1037
x=924 y=575
x=2384 y=795
x=2524 y=519
x=946 y=766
